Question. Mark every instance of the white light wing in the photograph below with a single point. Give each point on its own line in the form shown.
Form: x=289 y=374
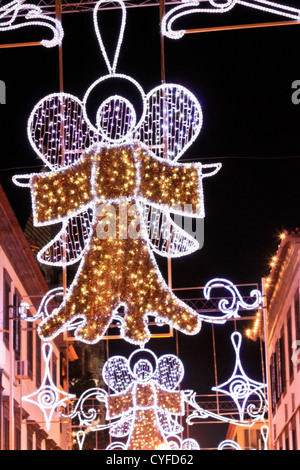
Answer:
x=170 y=372
x=173 y=121
x=68 y=246
x=116 y=374
x=166 y=238
x=57 y=130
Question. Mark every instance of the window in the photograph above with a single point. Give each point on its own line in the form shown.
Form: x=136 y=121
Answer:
x=6 y=304
x=294 y=434
x=282 y=362
x=54 y=368
x=287 y=444
x=17 y=322
x=297 y=317
x=290 y=342
x=29 y=440
x=273 y=376
x=6 y=433
x=17 y=438
x=30 y=350
x=294 y=439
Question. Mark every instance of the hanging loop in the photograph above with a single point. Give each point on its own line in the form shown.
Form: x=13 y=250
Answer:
x=110 y=66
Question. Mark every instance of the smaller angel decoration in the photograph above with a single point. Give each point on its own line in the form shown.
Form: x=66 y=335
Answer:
x=146 y=398
x=143 y=401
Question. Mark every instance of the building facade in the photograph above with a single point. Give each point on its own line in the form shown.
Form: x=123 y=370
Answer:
x=282 y=294
x=22 y=365
x=277 y=324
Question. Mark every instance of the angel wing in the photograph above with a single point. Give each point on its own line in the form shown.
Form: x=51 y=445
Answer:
x=172 y=122
x=166 y=238
x=59 y=135
x=169 y=372
x=116 y=374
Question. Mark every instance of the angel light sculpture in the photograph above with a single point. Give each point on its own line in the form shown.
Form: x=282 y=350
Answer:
x=144 y=400
x=112 y=170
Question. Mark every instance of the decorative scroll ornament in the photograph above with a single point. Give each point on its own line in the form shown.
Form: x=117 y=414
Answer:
x=188 y=7
x=86 y=413
x=48 y=397
x=116 y=169
x=11 y=13
x=229 y=307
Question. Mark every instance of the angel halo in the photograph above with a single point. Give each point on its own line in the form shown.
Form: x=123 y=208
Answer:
x=117 y=158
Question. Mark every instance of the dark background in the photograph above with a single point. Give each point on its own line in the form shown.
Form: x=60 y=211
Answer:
x=243 y=80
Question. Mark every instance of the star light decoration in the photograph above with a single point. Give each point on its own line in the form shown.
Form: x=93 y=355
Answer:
x=117 y=170
x=187 y=7
x=241 y=388
x=11 y=12
x=48 y=397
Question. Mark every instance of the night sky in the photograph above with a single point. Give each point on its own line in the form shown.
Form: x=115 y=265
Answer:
x=243 y=80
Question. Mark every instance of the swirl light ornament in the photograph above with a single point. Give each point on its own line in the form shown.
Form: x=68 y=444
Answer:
x=229 y=307
x=11 y=13
x=190 y=7
x=48 y=397
x=86 y=413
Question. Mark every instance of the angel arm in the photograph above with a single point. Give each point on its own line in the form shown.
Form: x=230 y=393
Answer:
x=172 y=401
x=119 y=404
x=62 y=193
x=175 y=185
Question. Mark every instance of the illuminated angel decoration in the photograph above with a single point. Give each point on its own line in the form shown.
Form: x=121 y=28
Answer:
x=114 y=172
x=145 y=401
